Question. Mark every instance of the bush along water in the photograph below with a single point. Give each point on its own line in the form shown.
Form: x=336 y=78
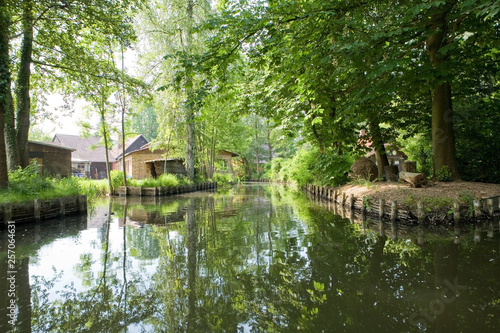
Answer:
x=223 y=180
x=164 y=180
x=28 y=184
x=309 y=165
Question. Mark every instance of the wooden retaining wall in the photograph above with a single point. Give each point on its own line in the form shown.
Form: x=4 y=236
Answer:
x=484 y=208
x=483 y=230
x=39 y=209
x=164 y=190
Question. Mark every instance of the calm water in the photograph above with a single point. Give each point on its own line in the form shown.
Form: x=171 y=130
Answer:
x=255 y=259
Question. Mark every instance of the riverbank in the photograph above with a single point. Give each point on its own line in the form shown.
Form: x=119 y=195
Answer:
x=436 y=194
x=438 y=203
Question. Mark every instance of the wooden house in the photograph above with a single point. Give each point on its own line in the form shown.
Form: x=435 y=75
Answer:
x=157 y=167
x=53 y=159
x=89 y=156
x=226 y=156
x=142 y=162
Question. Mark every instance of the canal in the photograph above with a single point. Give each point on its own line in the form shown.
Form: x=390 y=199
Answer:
x=257 y=258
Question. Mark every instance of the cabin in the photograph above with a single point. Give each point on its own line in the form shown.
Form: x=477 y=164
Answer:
x=89 y=156
x=53 y=159
x=227 y=160
x=157 y=167
x=142 y=162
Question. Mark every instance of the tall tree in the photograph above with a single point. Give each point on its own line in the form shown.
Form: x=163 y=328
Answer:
x=54 y=51
x=5 y=93
x=170 y=26
x=364 y=56
x=22 y=90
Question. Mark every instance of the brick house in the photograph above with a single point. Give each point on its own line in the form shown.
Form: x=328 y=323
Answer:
x=89 y=156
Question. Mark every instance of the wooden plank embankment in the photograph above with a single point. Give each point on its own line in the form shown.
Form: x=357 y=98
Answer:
x=481 y=209
x=42 y=209
x=164 y=190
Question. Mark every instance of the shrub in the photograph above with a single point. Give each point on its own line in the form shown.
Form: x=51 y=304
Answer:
x=444 y=174
x=93 y=188
x=222 y=178
x=168 y=179
x=116 y=179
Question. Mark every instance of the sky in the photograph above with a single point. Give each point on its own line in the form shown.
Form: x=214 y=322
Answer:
x=69 y=124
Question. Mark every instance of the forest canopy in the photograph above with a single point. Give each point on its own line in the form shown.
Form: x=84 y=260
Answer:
x=296 y=88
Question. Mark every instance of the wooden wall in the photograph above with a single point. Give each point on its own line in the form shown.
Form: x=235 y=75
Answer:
x=55 y=161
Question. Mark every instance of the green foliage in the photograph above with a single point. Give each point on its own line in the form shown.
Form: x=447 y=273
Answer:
x=418 y=148
x=29 y=181
x=116 y=179
x=28 y=184
x=444 y=174
x=429 y=203
x=222 y=178
x=166 y=179
x=477 y=138
x=93 y=188
x=311 y=166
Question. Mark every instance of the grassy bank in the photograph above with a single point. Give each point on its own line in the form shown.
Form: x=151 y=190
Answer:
x=28 y=184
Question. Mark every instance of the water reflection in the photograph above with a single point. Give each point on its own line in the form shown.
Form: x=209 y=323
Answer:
x=257 y=259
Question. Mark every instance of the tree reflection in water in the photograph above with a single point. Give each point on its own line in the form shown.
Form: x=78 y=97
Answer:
x=265 y=259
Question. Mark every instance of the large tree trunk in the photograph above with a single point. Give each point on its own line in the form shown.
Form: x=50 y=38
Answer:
x=189 y=110
x=23 y=85
x=443 y=138
x=378 y=144
x=5 y=100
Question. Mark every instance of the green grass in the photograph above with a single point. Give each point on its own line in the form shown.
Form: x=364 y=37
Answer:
x=28 y=184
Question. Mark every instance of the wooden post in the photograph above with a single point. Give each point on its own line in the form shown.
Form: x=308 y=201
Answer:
x=62 y=206
x=477 y=233
x=491 y=230
x=344 y=198
x=394 y=210
x=82 y=207
x=420 y=212
x=7 y=212
x=394 y=230
x=37 y=205
x=420 y=235
x=491 y=209
x=351 y=201
x=381 y=229
x=477 y=208
x=364 y=203
x=456 y=211
x=381 y=208
x=335 y=196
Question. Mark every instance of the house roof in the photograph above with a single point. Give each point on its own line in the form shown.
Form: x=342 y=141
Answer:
x=50 y=145
x=163 y=160
x=133 y=144
x=227 y=152
x=86 y=149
